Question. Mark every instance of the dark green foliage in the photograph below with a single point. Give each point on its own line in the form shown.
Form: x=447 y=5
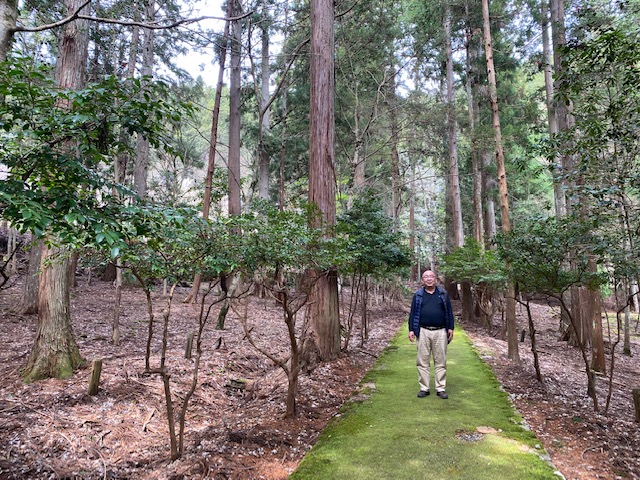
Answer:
x=374 y=248
x=284 y=240
x=475 y=264
x=550 y=255
x=57 y=146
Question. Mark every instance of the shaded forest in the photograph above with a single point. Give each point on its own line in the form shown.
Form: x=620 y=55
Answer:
x=343 y=147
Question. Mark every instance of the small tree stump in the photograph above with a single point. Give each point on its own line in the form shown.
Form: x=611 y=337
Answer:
x=189 y=346
x=94 y=381
x=636 y=402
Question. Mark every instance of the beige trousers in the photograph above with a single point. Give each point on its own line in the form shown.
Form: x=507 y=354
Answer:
x=432 y=342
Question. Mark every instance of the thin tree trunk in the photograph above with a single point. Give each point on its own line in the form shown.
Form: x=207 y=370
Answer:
x=510 y=313
x=565 y=122
x=324 y=311
x=141 y=165
x=396 y=186
x=452 y=136
x=598 y=362
x=233 y=159
x=454 y=176
x=552 y=124
x=476 y=167
x=30 y=294
x=263 y=183
x=488 y=185
x=233 y=182
x=283 y=141
x=213 y=144
x=415 y=265
x=115 y=326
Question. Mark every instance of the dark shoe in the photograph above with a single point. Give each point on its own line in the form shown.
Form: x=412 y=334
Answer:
x=443 y=395
x=423 y=393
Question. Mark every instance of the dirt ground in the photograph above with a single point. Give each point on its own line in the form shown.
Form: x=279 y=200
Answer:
x=54 y=429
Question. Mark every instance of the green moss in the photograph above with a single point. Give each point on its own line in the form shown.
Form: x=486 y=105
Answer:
x=395 y=435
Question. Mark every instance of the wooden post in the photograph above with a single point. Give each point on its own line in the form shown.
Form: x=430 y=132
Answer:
x=636 y=402
x=94 y=381
x=189 y=347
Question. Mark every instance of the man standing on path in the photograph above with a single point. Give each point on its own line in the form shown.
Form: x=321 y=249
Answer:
x=431 y=322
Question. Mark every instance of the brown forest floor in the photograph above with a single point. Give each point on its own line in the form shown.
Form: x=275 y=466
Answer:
x=53 y=429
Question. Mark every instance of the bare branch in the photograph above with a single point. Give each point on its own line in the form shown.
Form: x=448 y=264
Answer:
x=152 y=26
x=49 y=26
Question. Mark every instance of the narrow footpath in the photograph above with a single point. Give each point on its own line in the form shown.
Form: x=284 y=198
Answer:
x=387 y=432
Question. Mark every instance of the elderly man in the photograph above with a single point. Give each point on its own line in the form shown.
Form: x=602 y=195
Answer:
x=431 y=322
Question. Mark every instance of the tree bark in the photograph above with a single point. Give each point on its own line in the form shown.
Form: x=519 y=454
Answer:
x=324 y=311
x=30 y=294
x=8 y=17
x=476 y=167
x=263 y=183
x=233 y=160
x=552 y=123
x=415 y=265
x=510 y=313
x=452 y=137
x=213 y=144
x=141 y=164
x=454 y=176
x=396 y=186
x=55 y=352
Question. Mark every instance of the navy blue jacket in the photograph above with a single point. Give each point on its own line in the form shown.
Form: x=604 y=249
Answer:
x=416 y=305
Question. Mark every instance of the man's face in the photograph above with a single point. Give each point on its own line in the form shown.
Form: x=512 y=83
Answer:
x=428 y=279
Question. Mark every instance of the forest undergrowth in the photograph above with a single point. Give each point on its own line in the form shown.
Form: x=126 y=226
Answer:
x=234 y=427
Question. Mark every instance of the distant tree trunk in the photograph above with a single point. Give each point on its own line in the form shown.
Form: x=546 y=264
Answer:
x=283 y=112
x=565 y=121
x=452 y=136
x=233 y=159
x=598 y=362
x=30 y=295
x=73 y=267
x=473 y=107
x=213 y=144
x=558 y=191
x=454 y=176
x=396 y=186
x=8 y=17
x=412 y=226
x=488 y=186
x=510 y=313
x=235 y=83
x=141 y=164
x=263 y=183
x=358 y=162
x=324 y=313
x=626 y=345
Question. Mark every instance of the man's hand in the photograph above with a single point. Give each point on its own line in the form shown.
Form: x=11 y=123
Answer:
x=412 y=336
x=449 y=336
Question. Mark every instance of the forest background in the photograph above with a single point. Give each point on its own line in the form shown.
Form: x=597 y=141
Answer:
x=354 y=143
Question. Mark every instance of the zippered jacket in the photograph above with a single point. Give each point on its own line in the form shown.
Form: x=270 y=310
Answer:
x=416 y=305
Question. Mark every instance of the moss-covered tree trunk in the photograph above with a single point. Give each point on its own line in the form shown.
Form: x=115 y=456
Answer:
x=55 y=352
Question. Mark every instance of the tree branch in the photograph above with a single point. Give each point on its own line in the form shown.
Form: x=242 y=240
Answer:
x=151 y=26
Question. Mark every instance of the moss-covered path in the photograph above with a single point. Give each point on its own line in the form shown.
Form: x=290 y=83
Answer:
x=392 y=434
